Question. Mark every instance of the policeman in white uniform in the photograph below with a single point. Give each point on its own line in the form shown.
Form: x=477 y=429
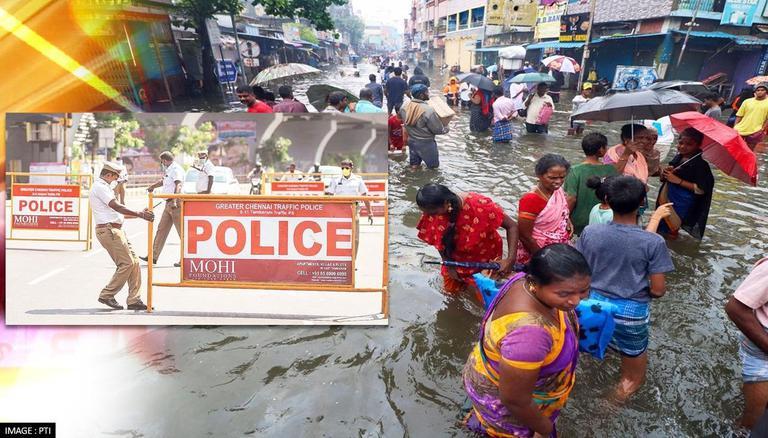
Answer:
x=204 y=168
x=108 y=216
x=349 y=184
x=292 y=174
x=171 y=183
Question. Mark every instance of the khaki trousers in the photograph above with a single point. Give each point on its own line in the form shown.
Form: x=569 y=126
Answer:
x=171 y=216
x=114 y=241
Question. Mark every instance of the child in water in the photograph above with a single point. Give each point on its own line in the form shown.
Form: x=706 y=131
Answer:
x=602 y=213
x=628 y=270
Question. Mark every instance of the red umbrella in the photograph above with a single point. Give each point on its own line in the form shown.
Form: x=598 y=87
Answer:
x=722 y=146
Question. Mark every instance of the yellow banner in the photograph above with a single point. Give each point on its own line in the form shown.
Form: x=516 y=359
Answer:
x=548 y=21
x=495 y=13
x=511 y=13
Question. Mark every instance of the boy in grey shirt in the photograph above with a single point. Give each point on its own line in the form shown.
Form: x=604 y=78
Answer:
x=628 y=266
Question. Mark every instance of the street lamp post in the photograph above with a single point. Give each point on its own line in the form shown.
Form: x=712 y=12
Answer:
x=237 y=49
x=690 y=24
x=585 y=52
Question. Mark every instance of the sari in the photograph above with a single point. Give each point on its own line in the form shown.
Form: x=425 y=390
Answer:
x=691 y=210
x=550 y=225
x=527 y=341
x=481 y=114
x=636 y=166
x=477 y=238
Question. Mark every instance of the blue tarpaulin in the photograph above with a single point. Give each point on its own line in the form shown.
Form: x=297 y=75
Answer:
x=553 y=45
x=741 y=40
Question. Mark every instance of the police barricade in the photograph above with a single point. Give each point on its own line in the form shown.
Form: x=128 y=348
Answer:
x=51 y=210
x=377 y=188
x=313 y=184
x=296 y=188
x=271 y=243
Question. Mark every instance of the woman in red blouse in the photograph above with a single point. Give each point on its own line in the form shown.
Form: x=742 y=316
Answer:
x=463 y=228
x=543 y=212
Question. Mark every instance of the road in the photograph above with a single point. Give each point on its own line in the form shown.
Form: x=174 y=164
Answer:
x=58 y=283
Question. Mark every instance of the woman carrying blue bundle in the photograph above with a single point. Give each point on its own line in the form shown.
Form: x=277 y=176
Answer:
x=521 y=372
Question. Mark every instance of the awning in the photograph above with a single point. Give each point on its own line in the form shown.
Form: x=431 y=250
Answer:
x=489 y=49
x=553 y=45
x=741 y=40
x=624 y=37
x=307 y=43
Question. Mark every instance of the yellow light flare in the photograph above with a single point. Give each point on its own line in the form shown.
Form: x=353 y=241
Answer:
x=37 y=42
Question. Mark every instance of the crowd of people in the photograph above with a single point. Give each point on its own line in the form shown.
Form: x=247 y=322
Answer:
x=577 y=235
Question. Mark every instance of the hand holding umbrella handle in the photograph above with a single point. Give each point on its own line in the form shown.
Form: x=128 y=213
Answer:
x=686 y=161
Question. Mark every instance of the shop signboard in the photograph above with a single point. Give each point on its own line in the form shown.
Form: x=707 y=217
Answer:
x=296 y=242
x=574 y=28
x=739 y=12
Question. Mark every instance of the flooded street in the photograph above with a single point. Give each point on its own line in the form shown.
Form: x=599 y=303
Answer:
x=405 y=380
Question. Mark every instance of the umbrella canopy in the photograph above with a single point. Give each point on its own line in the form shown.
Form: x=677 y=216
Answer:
x=283 y=71
x=757 y=80
x=644 y=104
x=492 y=68
x=512 y=52
x=722 y=145
x=317 y=94
x=478 y=80
x=529 y=78
x=562 y=64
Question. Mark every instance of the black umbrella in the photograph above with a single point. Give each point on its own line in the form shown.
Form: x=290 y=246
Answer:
x=317 y=95
x=475 y=265
x=645 y=104
x=477 y=80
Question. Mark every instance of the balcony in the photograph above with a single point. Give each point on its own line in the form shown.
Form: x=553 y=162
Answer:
x=705 y=6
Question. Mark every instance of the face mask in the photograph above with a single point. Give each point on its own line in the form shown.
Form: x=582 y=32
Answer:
x=199 y=163
x=113 y=184
x=346 y=172
x=163 y=167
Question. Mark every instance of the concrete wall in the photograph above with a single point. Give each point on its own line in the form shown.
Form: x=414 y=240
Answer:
x=457 y=53
x=621 y=10
x=456 y=6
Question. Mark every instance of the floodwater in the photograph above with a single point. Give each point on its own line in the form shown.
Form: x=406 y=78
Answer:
x=404 y=380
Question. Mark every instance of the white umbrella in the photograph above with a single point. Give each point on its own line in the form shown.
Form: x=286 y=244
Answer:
x=281 y=71
x=562 y=64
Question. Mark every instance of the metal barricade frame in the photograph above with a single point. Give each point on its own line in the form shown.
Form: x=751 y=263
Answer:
x=352 y=200
x=89 y=223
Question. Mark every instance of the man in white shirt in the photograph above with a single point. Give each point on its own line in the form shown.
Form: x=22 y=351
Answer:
x=578 y=101
x=349 y=184
x=535 y=104
x=292 y=174
x=204 y=168
x=108 y=216
x=517 y=94
x=171 y=183
x=121 y=182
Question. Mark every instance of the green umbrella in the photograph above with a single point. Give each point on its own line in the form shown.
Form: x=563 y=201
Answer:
x=317 y=95
x=529 y=78
x=283 y=71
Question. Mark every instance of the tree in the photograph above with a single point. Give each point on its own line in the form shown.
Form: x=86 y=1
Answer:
x=193 y=139
x=124 y=126
x=274 y=152
x=306 y=34
x=194 y=13
x=159 y=135
x=352 y=25
x=316 y=11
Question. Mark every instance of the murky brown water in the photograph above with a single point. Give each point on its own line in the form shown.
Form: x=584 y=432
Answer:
x=405 y=380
